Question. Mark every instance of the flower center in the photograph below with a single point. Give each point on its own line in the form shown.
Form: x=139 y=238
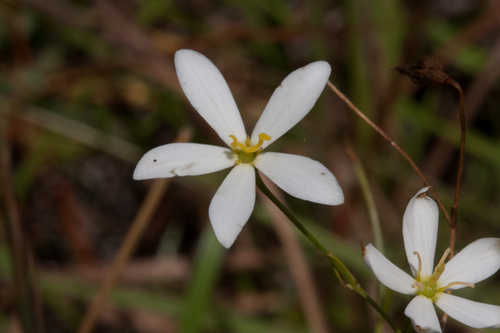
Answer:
x=428 y=285
x=245 y=151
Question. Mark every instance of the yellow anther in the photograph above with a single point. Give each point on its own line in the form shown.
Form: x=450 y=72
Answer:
x=236 y=145
x=418 y=285
x=440 y=266
x=443 y=258
x=428 y=286
x=263 y=137
x=449 y=285
x=419 y=272
x=247 y=146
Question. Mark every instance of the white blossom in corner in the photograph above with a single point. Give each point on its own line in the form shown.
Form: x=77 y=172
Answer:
x=476 y=262
x=233 y=202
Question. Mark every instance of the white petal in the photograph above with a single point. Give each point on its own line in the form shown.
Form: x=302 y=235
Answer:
x=182 y=159
x=292 y=100
x=301 y=177
x=422 y=315
x=387 y=273
x=473 y=314
x=233 y=203
x=420 y=226
x=476 y=262
x=209 y=94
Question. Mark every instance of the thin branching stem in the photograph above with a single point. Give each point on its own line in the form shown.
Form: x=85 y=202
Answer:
x=345 y=276
x=458 y=185
x=392 y=143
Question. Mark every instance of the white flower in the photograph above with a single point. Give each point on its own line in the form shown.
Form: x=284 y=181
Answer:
x=474 y=263
x=233 y=202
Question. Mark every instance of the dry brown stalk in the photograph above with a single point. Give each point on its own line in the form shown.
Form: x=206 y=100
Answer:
x=392 y=143
x=140 y=222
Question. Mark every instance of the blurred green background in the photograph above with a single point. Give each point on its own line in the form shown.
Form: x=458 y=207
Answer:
x=86 y=87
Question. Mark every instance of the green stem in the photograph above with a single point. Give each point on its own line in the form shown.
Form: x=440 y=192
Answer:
x=370 y=204
x=345 y=276
x=373 y=214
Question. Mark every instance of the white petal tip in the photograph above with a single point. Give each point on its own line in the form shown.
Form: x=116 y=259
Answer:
x=182 y=159
x=179 y=54
x=470 y=313
x=336 y=199
x=322 y=66
x=137 y=175
x=368 y=246
x=145 y=168
x=208 y=92
x=301 y=177
x=420 y=227
x=292 y=100
x=225 y=235
x=423 y=191
x=224 y=241
x=184 y=58
x=232 y=204
x=482 y=259
x=423 y=316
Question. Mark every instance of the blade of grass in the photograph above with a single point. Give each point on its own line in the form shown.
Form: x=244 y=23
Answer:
x=347 y=252
x=359 y=78
x=208 y=263
x=134 y=234
x=77 y=131
x=369 y=200
x=24 y=271
x=374 y=219
x=55 y=285
x=342 y=272
x=477 y=144
x=298 y=265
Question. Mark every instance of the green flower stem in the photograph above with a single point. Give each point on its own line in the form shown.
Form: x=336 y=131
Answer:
x=345 y=276
x=373 y=214
x=369 y=199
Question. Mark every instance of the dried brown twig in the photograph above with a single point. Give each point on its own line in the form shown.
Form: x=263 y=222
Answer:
x=140 y=222
x=441 y=154
x=298 y=265
x=392 y=143
x=27 y=293
x=430 y=72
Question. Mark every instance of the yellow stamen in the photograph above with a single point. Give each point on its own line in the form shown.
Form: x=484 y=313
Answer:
x=449 y=285
x=419 y=272
x=417 y=285
x=440 y=266
x=245 y=151
x=247 y=147
x=428 y=286
x=443 y=258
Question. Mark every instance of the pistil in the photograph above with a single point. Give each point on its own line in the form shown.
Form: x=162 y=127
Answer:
x=245 y=151
x=428 y=285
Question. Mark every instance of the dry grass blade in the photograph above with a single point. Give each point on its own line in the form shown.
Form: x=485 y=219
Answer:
x=140 y=222
x=299 y=268
x=76 y=131
x=431 y=72
x=28 y=296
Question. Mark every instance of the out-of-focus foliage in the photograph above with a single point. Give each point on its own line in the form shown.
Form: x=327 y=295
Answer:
x=86 y=87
